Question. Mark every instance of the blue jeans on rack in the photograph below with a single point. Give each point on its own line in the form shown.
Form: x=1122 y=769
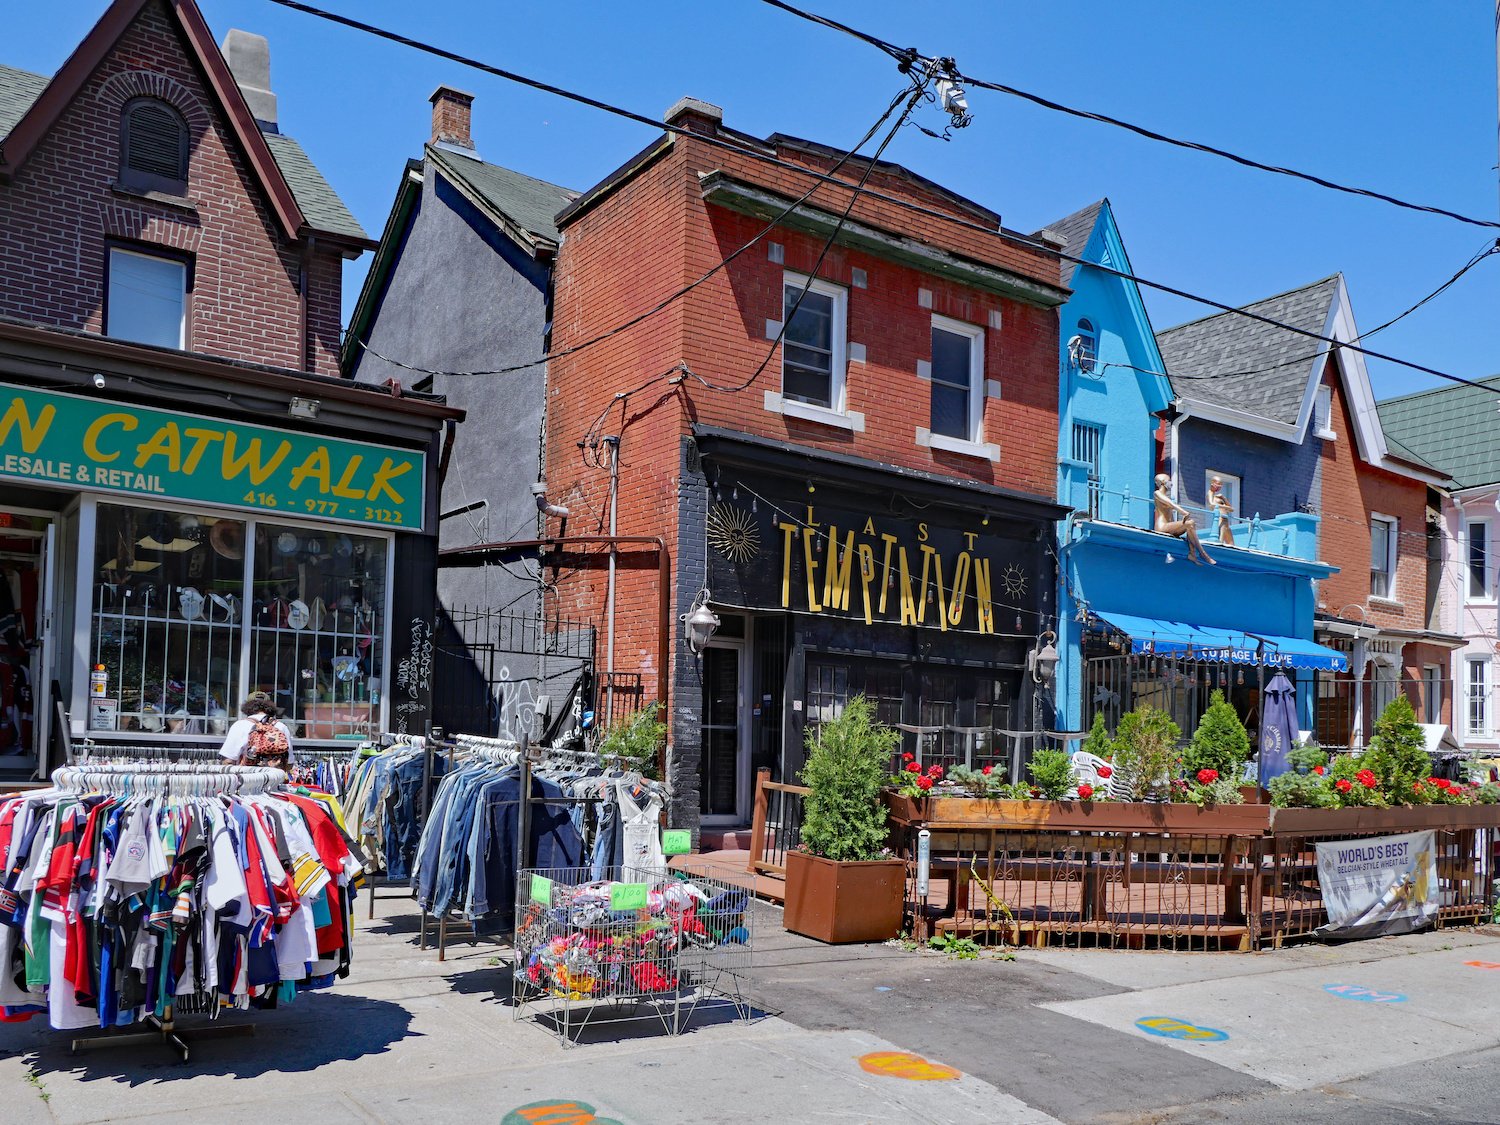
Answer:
x=606 y=837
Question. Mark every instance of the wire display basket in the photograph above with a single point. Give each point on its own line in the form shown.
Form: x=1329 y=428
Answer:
x=639 y=945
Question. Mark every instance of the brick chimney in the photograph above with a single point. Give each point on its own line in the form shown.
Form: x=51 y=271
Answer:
x=451 y=110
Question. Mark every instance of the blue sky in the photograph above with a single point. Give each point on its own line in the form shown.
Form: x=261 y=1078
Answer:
x=1376 y=93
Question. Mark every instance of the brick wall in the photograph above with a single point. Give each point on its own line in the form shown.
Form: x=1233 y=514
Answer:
x=1352 y=489
x=653 y=234
x=244 y=302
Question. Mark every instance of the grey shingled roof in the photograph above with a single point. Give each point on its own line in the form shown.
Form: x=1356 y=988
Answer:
x=1240 y=364
x=530 y=203
x=1456 y=428
x=320 y=204
x=1075 y=231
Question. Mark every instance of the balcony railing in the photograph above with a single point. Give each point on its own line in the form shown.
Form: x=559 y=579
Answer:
x=1291 y=535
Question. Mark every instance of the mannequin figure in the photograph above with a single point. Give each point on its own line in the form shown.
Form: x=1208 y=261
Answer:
x=1183 y=527
x=1219 y=504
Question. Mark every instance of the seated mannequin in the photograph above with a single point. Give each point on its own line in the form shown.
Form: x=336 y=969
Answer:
x=1183 y=526
x=1219 y=504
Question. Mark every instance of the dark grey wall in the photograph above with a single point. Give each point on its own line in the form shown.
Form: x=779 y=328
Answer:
x=461 y=296
x=686 y=695
x=1276 y=477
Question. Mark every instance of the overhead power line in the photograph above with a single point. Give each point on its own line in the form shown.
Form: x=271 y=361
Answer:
x=1138 y=130
x=910 y=205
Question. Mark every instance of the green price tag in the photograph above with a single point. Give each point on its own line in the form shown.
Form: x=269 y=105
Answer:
x=676 y=841
x=628 y=896
x=541 y=890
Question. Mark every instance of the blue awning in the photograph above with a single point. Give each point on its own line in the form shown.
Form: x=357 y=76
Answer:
x=1230 y=646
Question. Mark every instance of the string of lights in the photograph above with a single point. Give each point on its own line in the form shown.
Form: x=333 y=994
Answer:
x=1139 y=130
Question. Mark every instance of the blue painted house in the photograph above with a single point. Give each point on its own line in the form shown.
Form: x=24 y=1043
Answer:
x=1137 y=621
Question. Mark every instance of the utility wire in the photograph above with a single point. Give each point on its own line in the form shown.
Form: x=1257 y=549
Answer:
x=910 y=205
x=1139 y=130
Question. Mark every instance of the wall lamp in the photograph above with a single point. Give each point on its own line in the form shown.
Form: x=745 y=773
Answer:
x=699 y=624
x=1042 y=661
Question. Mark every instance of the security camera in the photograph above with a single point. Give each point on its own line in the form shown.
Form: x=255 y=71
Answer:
x=98 y=381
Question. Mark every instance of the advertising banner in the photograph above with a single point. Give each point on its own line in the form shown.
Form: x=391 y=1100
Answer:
x=1382 y=885
x=103 y=445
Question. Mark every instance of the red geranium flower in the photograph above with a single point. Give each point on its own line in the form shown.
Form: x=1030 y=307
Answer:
x=913 y=767
x=1035 y=792
x=908 y=757
x=1366 y=778
x=1085 y=792
x=1207 y=777
x=1318 y=770
x=924 y=783
x=936 y=771
x=1416 y=787
x=987 y=770
x=1106 y=772
x=1344 y=785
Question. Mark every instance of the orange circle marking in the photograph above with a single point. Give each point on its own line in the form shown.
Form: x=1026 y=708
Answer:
x=904 y=1064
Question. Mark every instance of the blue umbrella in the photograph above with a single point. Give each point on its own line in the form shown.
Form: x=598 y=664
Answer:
x=1278 y=727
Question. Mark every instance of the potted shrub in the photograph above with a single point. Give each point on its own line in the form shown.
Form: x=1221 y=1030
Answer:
x=842 y=885
x=1220 y=748
x=1146 y=757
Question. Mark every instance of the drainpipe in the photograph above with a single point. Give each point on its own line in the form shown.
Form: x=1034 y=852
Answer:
x=614 y=550
x=304 y=280
x=1174 y=444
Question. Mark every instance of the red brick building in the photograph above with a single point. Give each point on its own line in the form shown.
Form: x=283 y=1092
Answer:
x=847 y=438
x=193 y=505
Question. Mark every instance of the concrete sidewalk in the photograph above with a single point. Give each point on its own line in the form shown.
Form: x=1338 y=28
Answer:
x=408 y=1039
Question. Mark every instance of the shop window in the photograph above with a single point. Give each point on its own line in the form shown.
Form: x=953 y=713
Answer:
x=186 y=620
x=1383 y=530
x=166 y=620
x=1480 y=582
x=153 y=147
x=957 y=379
x=317 y=628
x=147 y=299
x=813 y=351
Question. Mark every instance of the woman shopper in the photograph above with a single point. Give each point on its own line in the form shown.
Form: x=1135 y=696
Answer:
x=260 y=738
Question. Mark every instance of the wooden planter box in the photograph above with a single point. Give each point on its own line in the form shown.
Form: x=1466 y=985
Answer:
x=1141 y=816
x=844 y=902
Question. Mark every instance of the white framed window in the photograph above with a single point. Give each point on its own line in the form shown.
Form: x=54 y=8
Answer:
x=957 y=380
x=1477 y=717
x=146 y=298
x=1479 y=569
x=1384 y=531
x=1230 y=487
x=1083 y=348
x=815 y=344
x=1322 y=419
x=1432 y=694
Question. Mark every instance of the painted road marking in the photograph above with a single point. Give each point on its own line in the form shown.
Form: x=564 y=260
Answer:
x=1169 y=1028
x=904 y=1064
x=1484 y=964
x=1368 y=995
x=555 y=1113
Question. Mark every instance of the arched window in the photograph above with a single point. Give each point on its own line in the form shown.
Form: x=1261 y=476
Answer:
x=153 y=147
x=1083 y=348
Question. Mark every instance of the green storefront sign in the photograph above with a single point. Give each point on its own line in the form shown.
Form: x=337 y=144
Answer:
x=113 y=447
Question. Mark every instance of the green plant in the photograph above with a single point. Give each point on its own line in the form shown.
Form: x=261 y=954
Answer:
x=1307 y=757
x=847 y=759
x=1301 y=791
x=1397 y=754
x=1099 y=743
x=1353 y=784
x=1145 y=749
x=957 y=948
x=1052 y=772
x=635 y=739
x=985 y=782
x=1220 y=743
x=1217 y=791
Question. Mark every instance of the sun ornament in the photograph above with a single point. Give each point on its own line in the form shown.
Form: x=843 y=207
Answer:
x=733 y=533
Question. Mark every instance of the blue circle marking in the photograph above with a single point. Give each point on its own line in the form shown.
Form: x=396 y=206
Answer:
x=1367 y=995
x=1168 y=1027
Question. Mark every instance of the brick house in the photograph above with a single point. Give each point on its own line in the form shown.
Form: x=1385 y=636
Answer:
x=865 y=506
x=1289 y=428
x=192 y=499
x=1455 y=427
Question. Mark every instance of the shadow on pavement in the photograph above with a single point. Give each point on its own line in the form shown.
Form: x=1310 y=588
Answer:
x=312 y=1032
